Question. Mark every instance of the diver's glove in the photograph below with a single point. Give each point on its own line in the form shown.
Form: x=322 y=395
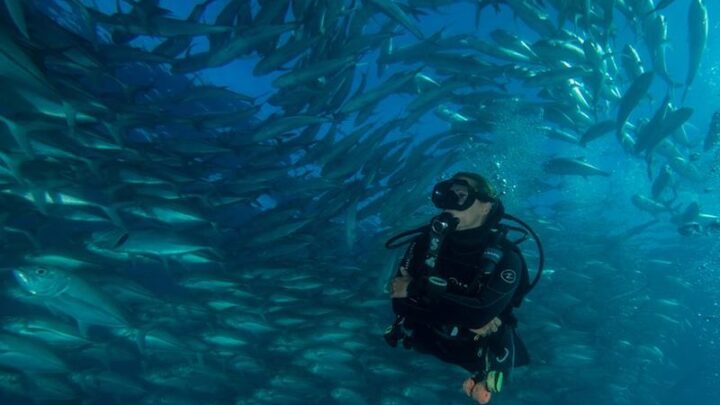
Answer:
x=397 y=332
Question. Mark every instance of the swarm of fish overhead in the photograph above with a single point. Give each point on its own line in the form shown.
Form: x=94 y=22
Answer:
x=167 y=240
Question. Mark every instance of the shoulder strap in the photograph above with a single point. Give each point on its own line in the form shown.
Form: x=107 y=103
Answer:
x=493 y=254
x=524 y=286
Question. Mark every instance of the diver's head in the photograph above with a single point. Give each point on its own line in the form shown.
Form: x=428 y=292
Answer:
x=469 y=197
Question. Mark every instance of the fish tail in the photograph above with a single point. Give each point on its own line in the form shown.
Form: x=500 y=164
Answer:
x=684 y=94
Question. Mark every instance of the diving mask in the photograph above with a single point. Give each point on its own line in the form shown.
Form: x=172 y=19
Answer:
x=456 y=194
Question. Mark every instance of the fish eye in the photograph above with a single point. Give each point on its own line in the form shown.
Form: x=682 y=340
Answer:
x=40 y=271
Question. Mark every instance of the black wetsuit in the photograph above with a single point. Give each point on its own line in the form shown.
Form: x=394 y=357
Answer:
x=440 y=321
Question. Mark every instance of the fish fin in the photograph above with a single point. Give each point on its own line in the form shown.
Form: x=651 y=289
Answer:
x=682 y=100
x=438 y=35
x=140 y=341
x=121 y=240
x=82 y=328
x=70 y=117
x=648 y=159
x=40 y=201
x=17 y=15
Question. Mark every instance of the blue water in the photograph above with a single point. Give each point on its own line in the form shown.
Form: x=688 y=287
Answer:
x=614 y=320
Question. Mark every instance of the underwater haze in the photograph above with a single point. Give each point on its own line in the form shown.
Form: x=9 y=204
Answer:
x=195 y=195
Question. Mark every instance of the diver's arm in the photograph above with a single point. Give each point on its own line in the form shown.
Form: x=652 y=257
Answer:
x=449 y=307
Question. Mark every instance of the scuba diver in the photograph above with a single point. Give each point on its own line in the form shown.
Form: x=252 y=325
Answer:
x=458 y=282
